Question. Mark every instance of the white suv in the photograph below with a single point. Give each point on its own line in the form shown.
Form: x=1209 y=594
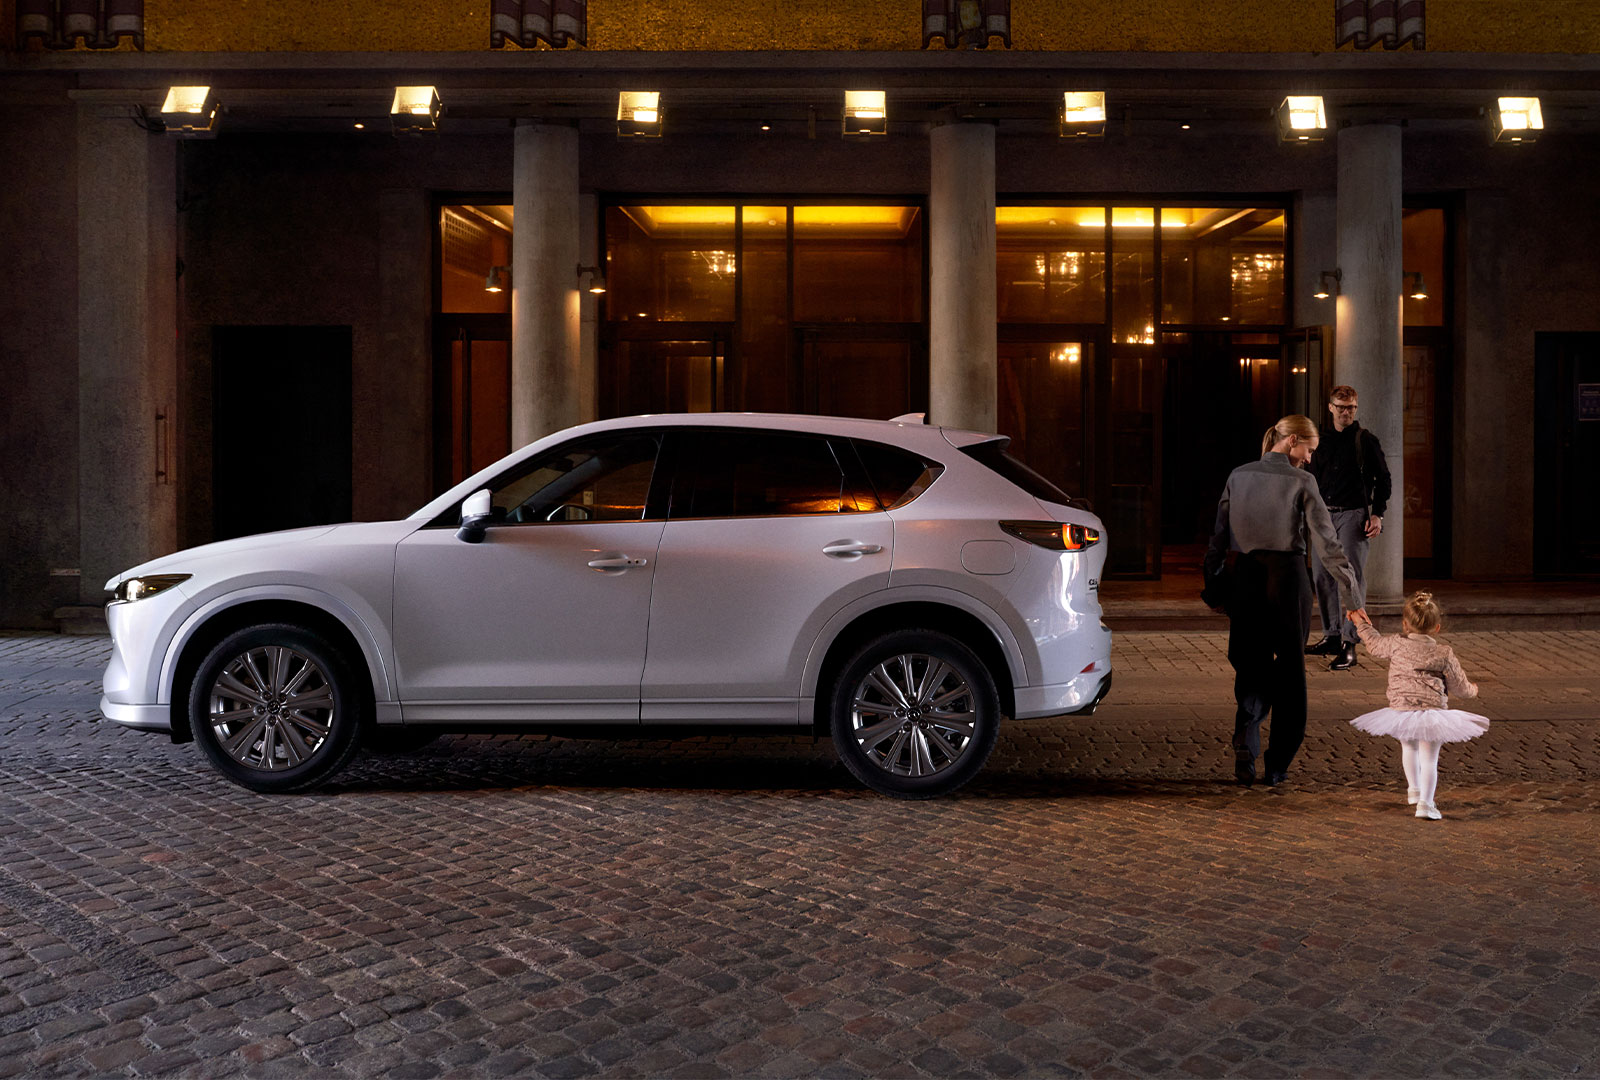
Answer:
x=898 y=585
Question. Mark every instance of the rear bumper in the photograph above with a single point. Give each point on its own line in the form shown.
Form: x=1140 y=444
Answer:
x=1081 y=695
x=141 y=717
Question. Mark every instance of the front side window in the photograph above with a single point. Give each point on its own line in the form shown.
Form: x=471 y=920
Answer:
x=765 y=474
x=602 y=478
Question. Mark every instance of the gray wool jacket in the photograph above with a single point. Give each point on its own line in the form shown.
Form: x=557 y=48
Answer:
x=1269 y=505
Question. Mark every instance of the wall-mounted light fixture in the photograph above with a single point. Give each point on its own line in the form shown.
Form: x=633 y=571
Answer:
x=415 y=109
x=190 y=111
x=639 y=114
x=866 y=112
x=1415 y=287
x=1083 y=114
x=499 y=277
x=1517 y=119
x=597 y=278
x=1327 y=284
x=1302 y=118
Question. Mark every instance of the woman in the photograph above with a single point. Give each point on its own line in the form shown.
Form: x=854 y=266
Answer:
x=1268 y=509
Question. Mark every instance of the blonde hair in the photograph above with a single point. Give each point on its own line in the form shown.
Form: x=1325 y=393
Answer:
x=1423 y=614
x=1301 y=426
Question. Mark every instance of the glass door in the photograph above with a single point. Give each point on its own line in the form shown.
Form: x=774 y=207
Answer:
x=1130 y=402
x=665 y=368
x=471 y=395
x=876 y=373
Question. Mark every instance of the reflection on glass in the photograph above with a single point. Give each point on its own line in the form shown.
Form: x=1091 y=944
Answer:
x=857 y=264
x=473 y=240
x=762 y=382
x=662 y=376
x=1133 y=279
x=1222 y=265
x=1040 y=405
x=1417 y=500
x=1422 y=252
x=1050 y=264
x=670 y=263
x=480 y=413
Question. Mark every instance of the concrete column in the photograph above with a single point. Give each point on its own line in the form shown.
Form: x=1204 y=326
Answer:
x=962 y=354
x=1367 y=339
x=127 y=347
x=545 y=394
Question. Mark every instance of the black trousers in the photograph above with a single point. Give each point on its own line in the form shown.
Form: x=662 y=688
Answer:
x=1269 y=616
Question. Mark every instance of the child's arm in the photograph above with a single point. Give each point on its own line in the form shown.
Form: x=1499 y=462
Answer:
x=1456 y=683
x=1377 y=644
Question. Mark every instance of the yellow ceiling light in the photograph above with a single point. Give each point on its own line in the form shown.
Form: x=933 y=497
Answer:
x=415 y=109
x=1083 y=113
x=1302 y=118
x=190 y=110
x=1518 y=119
x=639 y=114
x=866 y=112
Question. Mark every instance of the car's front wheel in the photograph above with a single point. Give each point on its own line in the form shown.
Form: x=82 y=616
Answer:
x=276 y=708
x=915 y=714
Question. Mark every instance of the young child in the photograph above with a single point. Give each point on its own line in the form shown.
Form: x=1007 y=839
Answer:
x=1422 y=676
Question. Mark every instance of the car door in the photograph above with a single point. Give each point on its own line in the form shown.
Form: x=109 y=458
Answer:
x=769 y=534
x=545 y=619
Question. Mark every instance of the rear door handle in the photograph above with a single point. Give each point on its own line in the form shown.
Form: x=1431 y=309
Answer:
x=616 y=562
x=851 y=549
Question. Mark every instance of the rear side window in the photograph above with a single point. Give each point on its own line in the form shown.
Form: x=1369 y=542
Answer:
x=994 y=455
x=897 y=475
x=762 y=474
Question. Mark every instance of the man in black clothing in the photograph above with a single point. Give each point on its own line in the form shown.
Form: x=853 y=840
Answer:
x=1354 y=481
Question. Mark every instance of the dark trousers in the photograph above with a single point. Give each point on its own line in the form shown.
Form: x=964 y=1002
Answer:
x=1269 y=616
x=1351 y=528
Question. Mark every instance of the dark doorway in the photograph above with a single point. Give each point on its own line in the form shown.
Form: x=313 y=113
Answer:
x=873 y=372
x=1566 y=533
x=281 y=427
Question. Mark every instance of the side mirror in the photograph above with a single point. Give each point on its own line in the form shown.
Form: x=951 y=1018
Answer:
x=477 y=511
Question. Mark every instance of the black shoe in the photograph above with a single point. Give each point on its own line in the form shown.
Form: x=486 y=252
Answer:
x=1328 y=646
x=1276 y=778
x=1244 y=769
x=1345 y=660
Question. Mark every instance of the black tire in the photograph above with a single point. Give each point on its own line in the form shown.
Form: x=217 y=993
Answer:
x=397 y=740
x=277 y=708
x=931 y=737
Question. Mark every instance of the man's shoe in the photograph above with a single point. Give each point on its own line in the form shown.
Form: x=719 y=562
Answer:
x=1328 y=646
x=1244 y=769
x=1276 y=778
x=1345 y=660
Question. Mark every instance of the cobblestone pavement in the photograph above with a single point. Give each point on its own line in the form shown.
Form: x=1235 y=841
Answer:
x=1098 y=902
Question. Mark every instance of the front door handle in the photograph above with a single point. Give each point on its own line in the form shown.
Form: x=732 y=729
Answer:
x=851 y=549
x=616 y=562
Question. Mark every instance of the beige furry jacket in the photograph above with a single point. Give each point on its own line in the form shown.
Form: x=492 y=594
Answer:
x=1422 y=673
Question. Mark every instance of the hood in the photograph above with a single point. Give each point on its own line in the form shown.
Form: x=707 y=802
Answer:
x=178 y=561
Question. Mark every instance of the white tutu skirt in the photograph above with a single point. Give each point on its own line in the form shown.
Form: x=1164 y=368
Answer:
x=1432 y=725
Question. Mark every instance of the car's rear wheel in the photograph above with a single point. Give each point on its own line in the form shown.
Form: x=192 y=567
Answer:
x=276 y=708
x=914 y=714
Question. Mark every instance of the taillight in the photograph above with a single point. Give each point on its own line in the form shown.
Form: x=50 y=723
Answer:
x=1053 y=534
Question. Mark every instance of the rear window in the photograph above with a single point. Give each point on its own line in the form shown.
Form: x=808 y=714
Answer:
x=994 y=455
x=897 y=475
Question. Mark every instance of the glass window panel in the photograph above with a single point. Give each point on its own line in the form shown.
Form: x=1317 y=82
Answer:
x=1422 y=251
x=1416 y=502
x=759 y=474
x=661 y=376
x=1050 y=263
x=1040 y=405
x=1133 y=276
x=763 y=382
x=472 y=241
x=1222 y=265
x=1256 y=269
x=481 y=426
x=857 y=264
x=670 y=263
x=602 y=479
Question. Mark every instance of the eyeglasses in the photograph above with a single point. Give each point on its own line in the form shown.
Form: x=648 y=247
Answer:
x=1342 y=408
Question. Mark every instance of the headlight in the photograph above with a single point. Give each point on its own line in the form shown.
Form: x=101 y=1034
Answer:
x=137 y=588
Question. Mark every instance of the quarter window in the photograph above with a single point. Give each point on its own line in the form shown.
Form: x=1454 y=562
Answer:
x=598 y=479
x=765 y=474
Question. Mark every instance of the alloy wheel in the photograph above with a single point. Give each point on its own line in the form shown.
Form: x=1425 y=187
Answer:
x=271 y=708
x=913 y=715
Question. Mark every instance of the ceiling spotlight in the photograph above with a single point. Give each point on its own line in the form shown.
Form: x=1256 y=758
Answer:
x=1517 y=120
x=866 y=112
x=1417 y=290
x=415 y=109
x=499 y=277
x=1083 y=114
x=1302 y=119
x=190 y=111
x=639 y=114
x=1327 y=285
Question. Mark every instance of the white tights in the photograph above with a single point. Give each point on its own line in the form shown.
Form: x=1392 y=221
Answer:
x=1420 y=758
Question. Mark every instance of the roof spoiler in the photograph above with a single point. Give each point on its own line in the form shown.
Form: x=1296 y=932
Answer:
x=910 y=418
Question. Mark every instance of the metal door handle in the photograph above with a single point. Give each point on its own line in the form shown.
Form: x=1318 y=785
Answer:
x=851 y=549
x=616 y=562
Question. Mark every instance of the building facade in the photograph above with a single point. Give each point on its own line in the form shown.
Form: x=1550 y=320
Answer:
x=289 y=320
